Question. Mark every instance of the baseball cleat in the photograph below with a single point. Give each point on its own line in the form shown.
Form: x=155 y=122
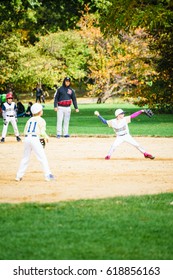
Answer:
x=18 y=179
x=18 y=138
x=2 y=140
x=107 y=157
x=58 y=136
x=67 y=136
x=49 y=178
x=146 y=155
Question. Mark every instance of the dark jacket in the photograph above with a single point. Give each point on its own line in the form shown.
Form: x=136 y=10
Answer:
x=38 y=92
x=28 y=110
x=64 y=96
x=20 y=109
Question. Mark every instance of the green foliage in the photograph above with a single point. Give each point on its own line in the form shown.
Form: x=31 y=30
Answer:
x=69 y=50
x=34 y=68
x=15 y=16
x=9 y=55
x=135 y=64
x=58 y=15
x=156 y=17
x=120 y=228
x=49 y=61
x=157 y=96
x=32 y=18
x=151 y=15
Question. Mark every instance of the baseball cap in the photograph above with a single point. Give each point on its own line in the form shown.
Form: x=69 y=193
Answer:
x=67 y=79
x=118 y=112
x=36 y=108
x=9 y=95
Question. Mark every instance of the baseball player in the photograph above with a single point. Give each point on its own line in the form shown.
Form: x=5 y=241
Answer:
x=120 y=126
x=63 y=99
x=35 y=129
x=9 y=114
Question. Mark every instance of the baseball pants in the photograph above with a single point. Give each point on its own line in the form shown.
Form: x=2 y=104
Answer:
x=14 y=125
x=63 y=119
x=125 y=138
x=33 y=143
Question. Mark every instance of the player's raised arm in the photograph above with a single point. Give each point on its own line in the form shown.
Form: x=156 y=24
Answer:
x=134 y=115
x=147 y=112
x=96 y=113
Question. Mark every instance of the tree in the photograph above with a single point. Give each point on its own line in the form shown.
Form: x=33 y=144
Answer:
x=118 y=64
x=34 y=18
x=9 y=55
x=111 y=66
x=16 y=17
x=48 y=62
x=156 y=17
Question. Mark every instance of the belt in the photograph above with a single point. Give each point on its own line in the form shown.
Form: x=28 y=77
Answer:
x=32 y=135
x=10 y=116
x=63 y=105
x=123 y=134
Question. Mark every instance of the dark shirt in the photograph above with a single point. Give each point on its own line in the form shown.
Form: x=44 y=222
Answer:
x=64 y=97
x=20 y=108
x=28 y=111
x=38 y=92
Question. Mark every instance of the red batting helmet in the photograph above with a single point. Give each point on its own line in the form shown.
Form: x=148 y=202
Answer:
x=9 y=95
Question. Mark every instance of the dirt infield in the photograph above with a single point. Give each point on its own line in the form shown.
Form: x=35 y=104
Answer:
x=82 y=173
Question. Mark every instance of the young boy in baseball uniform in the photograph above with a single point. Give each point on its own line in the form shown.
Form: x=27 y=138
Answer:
x=9 y=114
x=35 y=129
x=120 y=126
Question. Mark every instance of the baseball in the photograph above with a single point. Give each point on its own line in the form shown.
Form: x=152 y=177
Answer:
x=96 y=113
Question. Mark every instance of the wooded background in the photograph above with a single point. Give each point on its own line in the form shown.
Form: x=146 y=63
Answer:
x=108 y=48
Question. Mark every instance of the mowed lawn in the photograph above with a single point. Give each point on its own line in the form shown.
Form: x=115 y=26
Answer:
x=86 y=123
x=120 y=228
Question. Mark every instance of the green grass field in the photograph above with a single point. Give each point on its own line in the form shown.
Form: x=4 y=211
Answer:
x=134 y=228
x=120 y=228
x=85 y=123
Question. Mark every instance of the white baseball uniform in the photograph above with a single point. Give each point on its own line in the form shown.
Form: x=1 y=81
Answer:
x=10 y=116
x=35 y=129
x=63 y=114
x=121 y=129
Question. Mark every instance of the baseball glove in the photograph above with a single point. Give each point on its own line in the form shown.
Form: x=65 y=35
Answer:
x=148 y=112
x=43 y=142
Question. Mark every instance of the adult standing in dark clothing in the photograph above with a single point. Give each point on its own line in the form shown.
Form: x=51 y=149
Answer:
x=39 y=93
x=63 y=99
